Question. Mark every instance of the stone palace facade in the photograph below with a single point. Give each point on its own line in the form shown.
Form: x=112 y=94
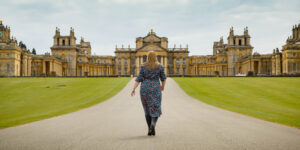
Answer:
x=68 y=58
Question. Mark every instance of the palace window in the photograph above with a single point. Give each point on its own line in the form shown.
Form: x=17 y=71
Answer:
x=183 y=61
x=132 y=61
x=170 y=70
x=204 y=62
x=159 y=59
x=177 y=61
x=199 y=61
x=69 y=71
x=223 y=60
x=294 y=67
x=98 y=61
x=119 y=71
x=80 y=60
x=69 y=58
x=144 y=58
x=234 y=71
x=132 y=70
x=294 y=55
x=171 y=60
x=125 y=70
x=7 y=68
x=7 y=55
x=63 y=42
x=183 y=71
x=234 y=58
x=125 y=61
x=223 y=73
x=177 y=71
x=207 y=72
x=240 y=42
x=69 y=41
x=119 y=61
x=57 y=41
x=104 y=61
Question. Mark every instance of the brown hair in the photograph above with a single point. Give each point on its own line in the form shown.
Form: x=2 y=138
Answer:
x=151 y=62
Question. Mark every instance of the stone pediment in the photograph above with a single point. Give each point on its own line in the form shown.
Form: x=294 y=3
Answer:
x=152 y=38
x=151 y=47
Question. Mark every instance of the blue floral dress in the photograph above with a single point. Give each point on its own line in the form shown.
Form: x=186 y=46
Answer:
x=150 y=89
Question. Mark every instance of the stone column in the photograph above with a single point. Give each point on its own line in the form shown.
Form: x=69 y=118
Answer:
x=166 y=64
x=259 y=67
x=44 y=67
x=137 y=65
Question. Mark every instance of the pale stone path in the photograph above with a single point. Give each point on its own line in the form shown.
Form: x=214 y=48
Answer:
x=119 y=123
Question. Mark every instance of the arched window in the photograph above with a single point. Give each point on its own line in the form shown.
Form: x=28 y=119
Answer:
x=57 y=41
x=240 y=42
x=63 y=42
x=144 y=58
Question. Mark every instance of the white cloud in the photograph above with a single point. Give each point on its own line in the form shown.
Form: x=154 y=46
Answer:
x=109 y=22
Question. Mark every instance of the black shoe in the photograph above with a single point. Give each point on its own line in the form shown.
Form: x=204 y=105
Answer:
x=152 y=130
x=149 y=132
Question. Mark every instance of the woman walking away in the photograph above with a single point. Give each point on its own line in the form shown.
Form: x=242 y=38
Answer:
x=150 y=74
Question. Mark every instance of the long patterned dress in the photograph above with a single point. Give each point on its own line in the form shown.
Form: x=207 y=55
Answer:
x=150 y=89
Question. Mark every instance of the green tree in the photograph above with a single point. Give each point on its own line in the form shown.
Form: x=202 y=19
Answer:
x=33 y=51
x=22 y=45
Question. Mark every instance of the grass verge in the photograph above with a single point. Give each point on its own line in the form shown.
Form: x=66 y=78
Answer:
x=268 y=98
x=24 y=100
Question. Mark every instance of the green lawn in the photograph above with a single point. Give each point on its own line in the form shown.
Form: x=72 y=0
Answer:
x=273 y=99
x=24 y=100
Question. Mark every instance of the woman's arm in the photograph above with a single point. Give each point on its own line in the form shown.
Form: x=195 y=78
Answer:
x=163 y=83
x=136 y=84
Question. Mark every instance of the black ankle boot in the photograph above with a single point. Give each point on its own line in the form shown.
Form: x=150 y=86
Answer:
x=152 y=130
x=149 y=132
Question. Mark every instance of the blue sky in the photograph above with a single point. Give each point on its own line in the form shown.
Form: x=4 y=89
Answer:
x=106 y=23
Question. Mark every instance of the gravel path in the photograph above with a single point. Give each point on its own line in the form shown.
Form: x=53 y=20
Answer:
x=119 y=123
